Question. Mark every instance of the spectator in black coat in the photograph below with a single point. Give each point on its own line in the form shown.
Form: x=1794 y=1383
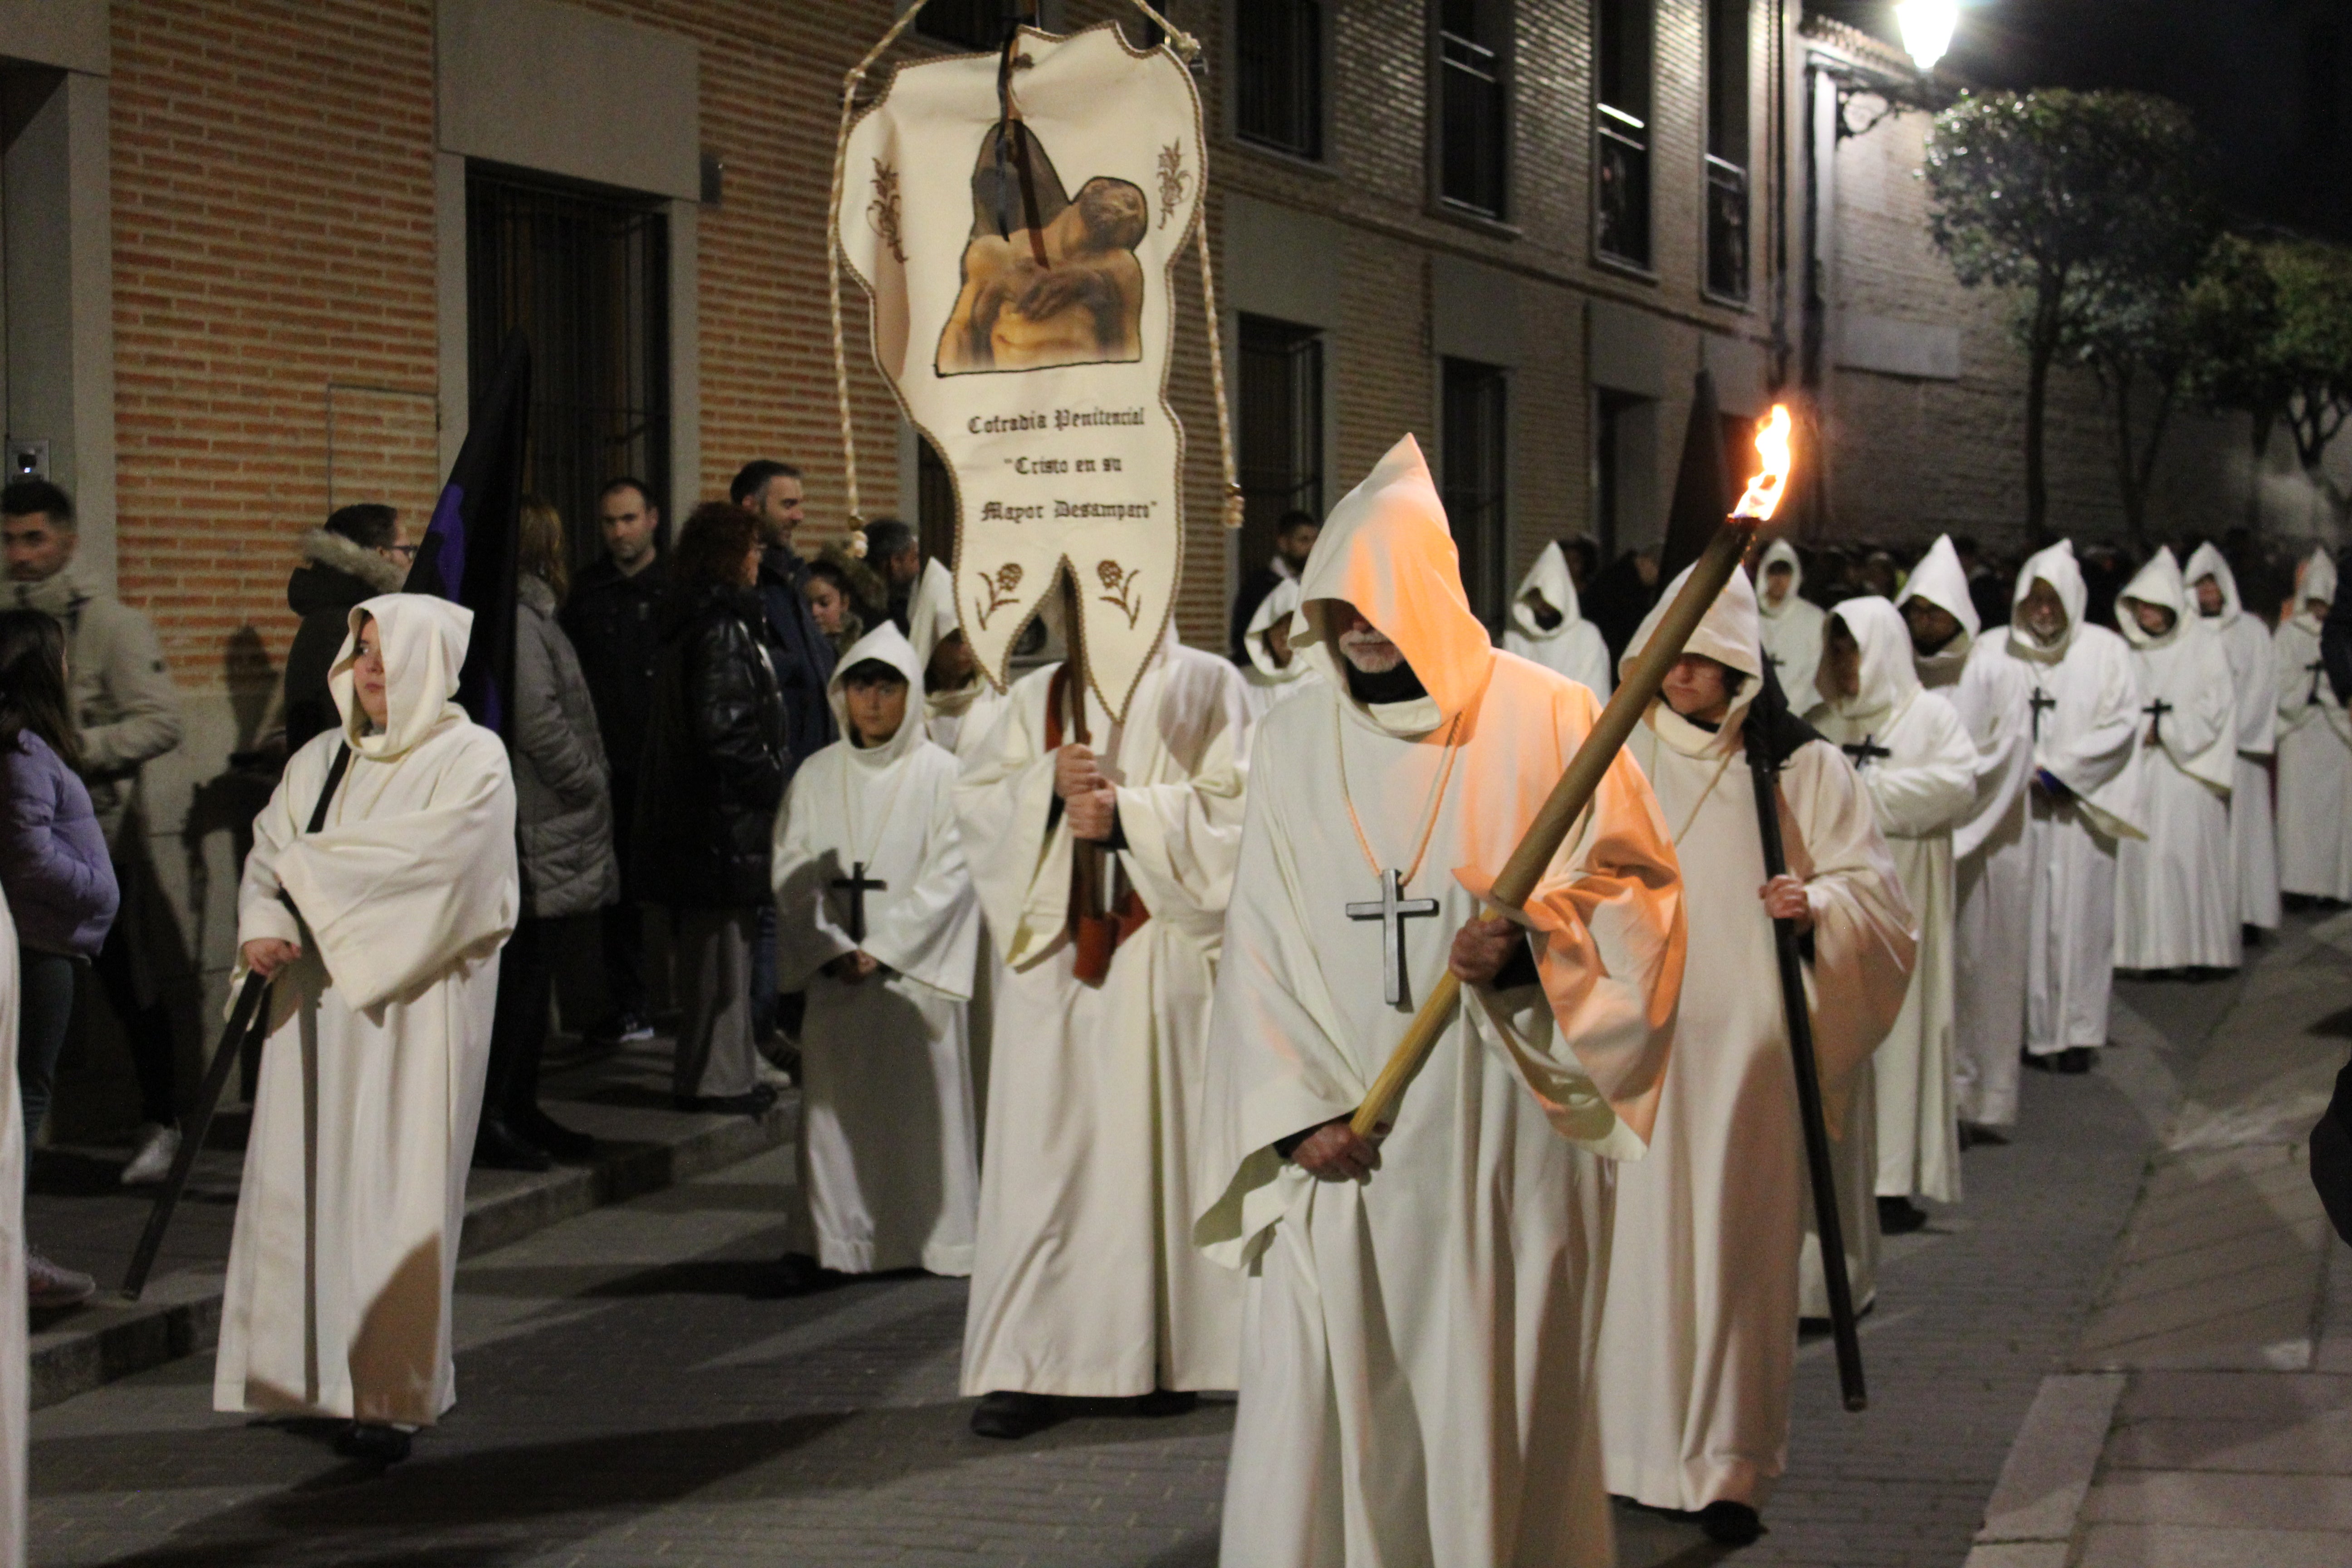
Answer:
x=612 y=618
x=363 y=550
x=714 y=765
x=1294 y=539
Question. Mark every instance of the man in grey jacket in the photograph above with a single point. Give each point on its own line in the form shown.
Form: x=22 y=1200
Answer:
x=127 y=715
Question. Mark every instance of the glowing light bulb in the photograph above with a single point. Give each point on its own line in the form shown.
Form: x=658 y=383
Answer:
x=1927 y=26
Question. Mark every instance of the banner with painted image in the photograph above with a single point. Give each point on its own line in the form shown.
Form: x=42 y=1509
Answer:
x=1016 y=219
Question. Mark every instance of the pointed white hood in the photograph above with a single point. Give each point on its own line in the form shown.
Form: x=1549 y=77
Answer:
x=2205 y=562
x=1730 y=634
x=2157 y=583
x=2057 y=567
x=1274 y=608
x=2317 y=582
x=1780 y=553
x=424 y=641
x=1889 y=680
x=1386 y=550
x=883 y=643
x=1940 y=580
x=1548 y=580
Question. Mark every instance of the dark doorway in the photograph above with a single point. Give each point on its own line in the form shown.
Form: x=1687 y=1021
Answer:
x=1476 y=456
x=1281 y=430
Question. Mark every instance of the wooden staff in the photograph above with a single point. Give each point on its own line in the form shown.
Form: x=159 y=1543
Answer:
x=1568 y=798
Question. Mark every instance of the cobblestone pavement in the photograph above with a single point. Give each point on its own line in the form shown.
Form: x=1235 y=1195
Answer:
x=624 y=1403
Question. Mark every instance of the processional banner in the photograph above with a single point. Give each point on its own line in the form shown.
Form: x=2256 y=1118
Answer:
x=1016 y=219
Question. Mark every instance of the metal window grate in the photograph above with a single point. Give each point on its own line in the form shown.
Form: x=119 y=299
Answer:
x=935 y=503
x=1727 y=149
x=1477 y=458
x=1280 y=426
x=1473 y=117
x=585 y=276
x=1621 y=130
x=1278 y=75
x=1726 y=228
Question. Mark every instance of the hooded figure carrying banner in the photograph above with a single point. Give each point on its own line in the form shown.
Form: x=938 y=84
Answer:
x=380 y=933
x=1698 y=1341
x=1547 y=625
x=2176 y=890
x=2254 y=840
x=2314 y=748
x=1415 y=1382
x=2085 y=711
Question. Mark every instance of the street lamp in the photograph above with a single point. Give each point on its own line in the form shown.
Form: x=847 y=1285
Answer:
x=1927 y=26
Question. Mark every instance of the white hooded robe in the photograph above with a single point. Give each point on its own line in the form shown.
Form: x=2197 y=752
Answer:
x=2086 y=695
x=1416 y=1373
x=346 y=1250
x=1267 y=682
x=1085 y=1279
x=1792 y=628
x=2254 y=835
x=889 y=1158
x=2314 y=751
x=1698 y=1341
x=2177 y=890
x=1574 y=648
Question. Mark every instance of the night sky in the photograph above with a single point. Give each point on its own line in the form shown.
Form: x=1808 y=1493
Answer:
x=2270 y=80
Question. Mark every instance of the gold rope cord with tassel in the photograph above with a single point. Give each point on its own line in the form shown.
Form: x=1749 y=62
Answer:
x=1186 y=48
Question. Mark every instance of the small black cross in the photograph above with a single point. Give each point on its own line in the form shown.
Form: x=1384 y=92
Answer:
x=1863 y=754
x=1392 y=909
x=2317 y=667
x=858 y=884
x=2039 y=700
x=2155 y=712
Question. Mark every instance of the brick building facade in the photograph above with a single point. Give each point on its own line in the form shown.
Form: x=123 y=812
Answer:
x=249 y=245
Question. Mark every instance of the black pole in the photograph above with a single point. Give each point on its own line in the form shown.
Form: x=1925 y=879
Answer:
x=1808 y=1093
x=249 y=1018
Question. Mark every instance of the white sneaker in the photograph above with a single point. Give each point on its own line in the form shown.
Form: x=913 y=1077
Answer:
x=771 y=1075
x=51 y=1285
x=158 y=1147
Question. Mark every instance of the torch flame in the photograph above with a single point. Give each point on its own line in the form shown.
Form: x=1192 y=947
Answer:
x=1763 y=497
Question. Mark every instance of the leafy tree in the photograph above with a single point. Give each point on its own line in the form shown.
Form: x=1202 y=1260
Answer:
x=2295 y=371
x=2064 y=197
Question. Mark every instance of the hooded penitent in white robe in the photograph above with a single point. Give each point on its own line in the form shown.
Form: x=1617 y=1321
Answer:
x=1414 y=1367
x=1993 y=874
x=1698 y=1341
x=2314 y=750
x=2253 y=839
x=346 y=1237
x=889 y=1165
x=1085 y=1279
x=2176 y=890
x=1573 y=647
x=956 y=721
x=15 y=1380
x=1791 y=629
x=2085 y=712
x=1920 y=792
x=1267 y=681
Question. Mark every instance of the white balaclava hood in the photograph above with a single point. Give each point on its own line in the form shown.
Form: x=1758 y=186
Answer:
x=424 y=640
x=884 y=643
x=2157 y=583
x=1731 y=634
x=1548 y=579
x=2057 y=567
x=1887 y=678
x=1780 y=553
x=1274 y=609
x=1939 y=580
x=1386 y=550
x=2206 y=561
x=2318 y=582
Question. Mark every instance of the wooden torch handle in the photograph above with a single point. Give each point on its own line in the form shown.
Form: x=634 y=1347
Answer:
x=1567 y=800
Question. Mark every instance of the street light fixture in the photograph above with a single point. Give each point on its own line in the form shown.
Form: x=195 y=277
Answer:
x=1927 y=26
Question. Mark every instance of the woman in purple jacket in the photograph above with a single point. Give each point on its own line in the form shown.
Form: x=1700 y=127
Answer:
x=54 y=871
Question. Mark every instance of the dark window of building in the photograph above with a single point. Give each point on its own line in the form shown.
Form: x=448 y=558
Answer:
x=584 y=274
x=974 y=24
x=935 y=503
x=1475 y=454
x=1278 y=75
x=1620 y=129
x=1281 y=429
x=1727 y=148
x=1474 y=105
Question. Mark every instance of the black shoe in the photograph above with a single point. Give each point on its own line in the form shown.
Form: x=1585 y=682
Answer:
x=1730 y=1523
x=498 y=1147
x=1899 y=1216
x=1008 y=1415
x=550 y=1134
x=2074 y=1059
x=794 y=1274
x=1163 y=1402
x=757 y=1102
x=372 y=1443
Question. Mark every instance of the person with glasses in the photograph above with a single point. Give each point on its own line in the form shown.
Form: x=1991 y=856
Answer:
x=363 y=550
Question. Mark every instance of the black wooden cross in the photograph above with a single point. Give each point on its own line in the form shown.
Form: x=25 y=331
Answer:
x=2155 y=712
x=1863 y=754
x=858 y=886
x=2317 y=667
x=1393 y=909
x=2040 y=700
